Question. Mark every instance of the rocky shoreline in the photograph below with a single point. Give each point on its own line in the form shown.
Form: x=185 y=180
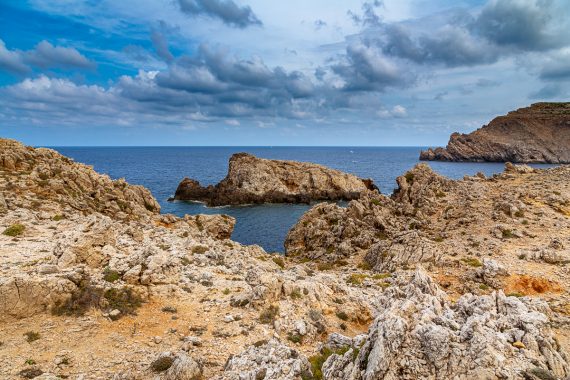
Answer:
x=536 y=134
x=252 y=180
x=444 y=279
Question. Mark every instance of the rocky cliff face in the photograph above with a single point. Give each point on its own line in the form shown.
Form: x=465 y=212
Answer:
x=46 y=175
x=256 y=180
x=536 y=134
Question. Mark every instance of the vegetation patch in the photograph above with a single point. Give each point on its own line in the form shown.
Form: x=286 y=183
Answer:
x=123 y=299
x=269 y=315
x=32 y=336
x=295 y=338
x=111 y=275
x=200 y=249
x=342 y=315
x=279 y=261
x=472 y=262
x=317 y=361
x=356 y=279
x=508 y=234
x=80 y=301
x=14 y=230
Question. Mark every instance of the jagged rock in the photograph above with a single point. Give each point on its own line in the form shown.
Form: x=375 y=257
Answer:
x=184 y=368
x=419 y=334
x=539 y=133
x=256 y=180
x=72 y=184
x=269 y=361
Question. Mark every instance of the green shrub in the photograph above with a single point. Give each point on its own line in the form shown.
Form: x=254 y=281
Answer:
x=269 y=315
x=83 y=299
x=58 y=217
x=342 y=315
x=279 y=261
x=295 y=338
x=296 y=294
x=356 y=278
x=123 y=299
x=471 y=261
x=508 y=234
x=14 y=230
x=200 y=249
x=32 y=336
x=409 y=177
x=111 y=275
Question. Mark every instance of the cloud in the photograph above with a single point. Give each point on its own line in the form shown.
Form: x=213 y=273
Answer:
x=364 y=68
x=397 y=111
x=485 y=83
x=368 y=16
x=225 y=10
x=550 y=91
x=161 y=46
x=11 y=61
x=44 y=56
x=557 y=68
x=528 y=25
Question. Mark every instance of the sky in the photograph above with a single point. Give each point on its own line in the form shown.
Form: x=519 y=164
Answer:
x=260 y=72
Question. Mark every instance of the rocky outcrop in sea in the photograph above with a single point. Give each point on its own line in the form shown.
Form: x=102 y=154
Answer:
x=256 y=180
x=536 y=134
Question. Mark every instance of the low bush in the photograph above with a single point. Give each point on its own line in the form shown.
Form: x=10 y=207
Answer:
x=14 y=230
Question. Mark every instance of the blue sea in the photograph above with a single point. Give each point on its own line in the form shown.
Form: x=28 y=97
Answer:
x=160 y=169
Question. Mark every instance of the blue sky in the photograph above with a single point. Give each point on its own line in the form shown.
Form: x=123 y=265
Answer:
x=258 y=72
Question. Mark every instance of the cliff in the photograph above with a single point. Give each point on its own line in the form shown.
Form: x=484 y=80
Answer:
x=536 y=134
x=256 y=180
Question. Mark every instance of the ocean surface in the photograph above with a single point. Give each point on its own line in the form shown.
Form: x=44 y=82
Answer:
x=160 y=169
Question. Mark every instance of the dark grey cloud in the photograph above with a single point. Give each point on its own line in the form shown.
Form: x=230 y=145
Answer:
x=225 y=10
x=530 y=25
x=458 y=38
x=365 y=69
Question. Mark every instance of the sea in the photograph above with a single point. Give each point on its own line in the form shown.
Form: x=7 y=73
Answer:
x=160 y=169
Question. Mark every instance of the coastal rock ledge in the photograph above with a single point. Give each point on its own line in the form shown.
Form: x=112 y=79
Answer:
x=257 y=180
x=536 y=134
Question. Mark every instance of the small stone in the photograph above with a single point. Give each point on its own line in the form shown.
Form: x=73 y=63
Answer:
x=157 y=339
x=229 y=318
x=519 y=344
x=114 y=313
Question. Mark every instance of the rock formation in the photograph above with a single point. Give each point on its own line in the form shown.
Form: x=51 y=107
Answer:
x=419 y=334
x=536 y=134
x=96 y=284
x=256 y=180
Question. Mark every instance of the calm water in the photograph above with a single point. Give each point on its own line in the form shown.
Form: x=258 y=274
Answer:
x=161 y=168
